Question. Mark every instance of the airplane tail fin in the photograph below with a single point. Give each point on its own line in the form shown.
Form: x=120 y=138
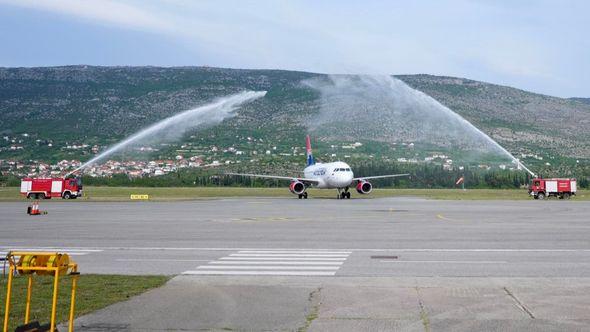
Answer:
x=310 y=160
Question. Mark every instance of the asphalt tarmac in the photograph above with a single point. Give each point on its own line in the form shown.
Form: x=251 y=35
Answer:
x=327 y=264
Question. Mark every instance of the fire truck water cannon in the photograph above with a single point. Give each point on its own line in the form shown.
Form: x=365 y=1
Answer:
x=520 y=165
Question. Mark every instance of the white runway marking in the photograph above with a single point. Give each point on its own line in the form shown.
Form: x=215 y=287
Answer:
x=301 y=250
x=50 y=249
x=451 y=262
x=285 y=258
x=264 y=267
x=261 y=273
x=69 y=251
x=287 y=255
x=275 y=262
x=159 y=260
x=292 y=251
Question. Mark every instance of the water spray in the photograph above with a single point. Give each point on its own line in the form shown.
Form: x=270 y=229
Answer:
x=178 y=124
x=390 y=107
x=519 y=164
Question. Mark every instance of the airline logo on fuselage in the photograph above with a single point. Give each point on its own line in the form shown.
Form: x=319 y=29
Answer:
x=319 y=172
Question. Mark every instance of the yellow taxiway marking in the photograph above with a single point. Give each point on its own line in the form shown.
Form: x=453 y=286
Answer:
x=441 y=217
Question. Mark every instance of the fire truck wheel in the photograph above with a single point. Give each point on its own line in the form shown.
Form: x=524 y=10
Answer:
x=541 y=196
x=41 y=196
x=67 y=195
x=566 y=196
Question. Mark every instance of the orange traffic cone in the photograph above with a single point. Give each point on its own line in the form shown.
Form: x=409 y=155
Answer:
x=34 y=209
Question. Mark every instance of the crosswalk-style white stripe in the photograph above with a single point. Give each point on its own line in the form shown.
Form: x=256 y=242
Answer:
x=287 y=255
x=283 y=258
x=292 y=252
x=265 y=267
x=275 y=262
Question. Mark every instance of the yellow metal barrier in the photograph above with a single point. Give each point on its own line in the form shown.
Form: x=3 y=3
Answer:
x=41 y=263
x=140 y=196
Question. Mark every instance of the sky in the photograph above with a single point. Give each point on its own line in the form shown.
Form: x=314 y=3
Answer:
x=540 y=46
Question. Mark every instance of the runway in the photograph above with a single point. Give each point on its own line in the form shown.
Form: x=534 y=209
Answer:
x=327 y=264
x=378 y=237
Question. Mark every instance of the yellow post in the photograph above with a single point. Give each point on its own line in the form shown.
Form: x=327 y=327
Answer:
x=8 y=291
x=54 y=305
x=29 y=291
x=73 y=300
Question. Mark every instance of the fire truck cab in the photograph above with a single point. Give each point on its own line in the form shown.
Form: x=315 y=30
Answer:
x=45 y=188
x=544 y=188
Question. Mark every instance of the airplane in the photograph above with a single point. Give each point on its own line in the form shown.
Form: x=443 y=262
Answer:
x=335 y=175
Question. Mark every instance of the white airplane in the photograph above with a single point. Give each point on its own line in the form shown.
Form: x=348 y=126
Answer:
x=336 y=175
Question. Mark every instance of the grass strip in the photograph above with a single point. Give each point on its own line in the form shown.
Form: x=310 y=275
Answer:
x=191 y=193
x=94 y=292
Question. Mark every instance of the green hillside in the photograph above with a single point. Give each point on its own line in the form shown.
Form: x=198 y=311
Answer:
x=53 y=113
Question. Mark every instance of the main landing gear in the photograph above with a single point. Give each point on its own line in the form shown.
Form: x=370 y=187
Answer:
x=304 y=195
x=343 y=194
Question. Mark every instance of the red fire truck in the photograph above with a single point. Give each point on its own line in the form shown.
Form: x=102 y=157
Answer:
x=45 y=188
x=543 y=188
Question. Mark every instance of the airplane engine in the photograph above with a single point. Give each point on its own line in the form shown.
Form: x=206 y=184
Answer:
x=364 y=187
x=297 y=187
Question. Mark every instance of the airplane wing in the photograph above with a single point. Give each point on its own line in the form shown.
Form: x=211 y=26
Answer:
x=379 y=177
x=288 y=178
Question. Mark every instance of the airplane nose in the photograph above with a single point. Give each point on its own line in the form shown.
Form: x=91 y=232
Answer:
x=343 y=180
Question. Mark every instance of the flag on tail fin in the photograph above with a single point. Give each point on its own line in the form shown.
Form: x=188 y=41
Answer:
x=460 y=180
x=310 y=160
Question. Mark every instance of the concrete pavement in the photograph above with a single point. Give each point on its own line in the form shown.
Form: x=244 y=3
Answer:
x=326 y=264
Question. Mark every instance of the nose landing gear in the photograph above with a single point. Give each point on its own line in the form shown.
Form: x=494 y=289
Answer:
x=343 y=194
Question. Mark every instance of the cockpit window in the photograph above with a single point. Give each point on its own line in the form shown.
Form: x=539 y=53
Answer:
x=348 y=170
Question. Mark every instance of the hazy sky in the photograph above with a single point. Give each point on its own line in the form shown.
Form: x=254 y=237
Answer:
x=541 y=46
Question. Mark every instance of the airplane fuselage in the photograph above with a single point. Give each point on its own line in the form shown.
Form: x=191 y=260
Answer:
x=334 y=175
